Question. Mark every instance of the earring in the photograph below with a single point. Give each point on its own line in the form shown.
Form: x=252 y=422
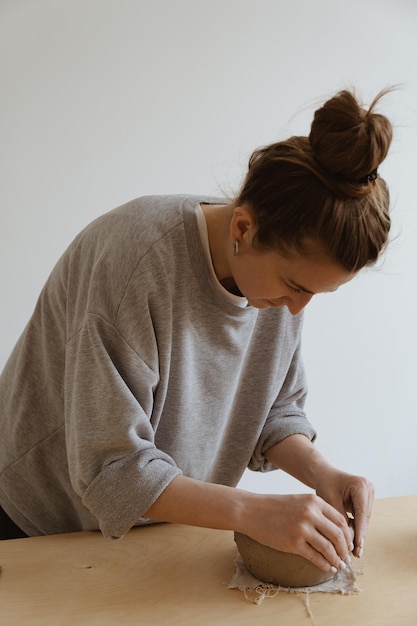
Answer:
x=236 y=248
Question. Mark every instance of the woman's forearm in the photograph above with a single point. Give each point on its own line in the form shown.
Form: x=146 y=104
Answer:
x=296 y=455
x=197 y=503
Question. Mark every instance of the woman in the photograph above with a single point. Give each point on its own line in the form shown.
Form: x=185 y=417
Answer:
x=163 y=355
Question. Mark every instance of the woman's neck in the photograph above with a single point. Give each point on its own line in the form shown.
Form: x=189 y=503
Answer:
x=218 y=227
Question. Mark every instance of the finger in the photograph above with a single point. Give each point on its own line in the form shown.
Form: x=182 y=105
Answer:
x=362 y=509
x=319 y=560
x=332 y=544
x=325 y=538
x=360 y=523
x=321 y=551
x=338 y=532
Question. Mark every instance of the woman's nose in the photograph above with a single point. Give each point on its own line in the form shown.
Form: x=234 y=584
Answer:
x=296 y=303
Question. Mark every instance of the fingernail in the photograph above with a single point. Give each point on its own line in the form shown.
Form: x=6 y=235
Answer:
x=342 y=564
x=351 y=547
x=348 y=559
x=333 y=569
x=360 y=551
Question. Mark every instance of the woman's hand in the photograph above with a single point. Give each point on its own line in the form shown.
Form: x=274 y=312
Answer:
x=345 y=492
x=301 y=524
x=348 y=494
x=313 y=526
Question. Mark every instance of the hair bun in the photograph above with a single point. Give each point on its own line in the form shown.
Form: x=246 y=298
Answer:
x=347 y=140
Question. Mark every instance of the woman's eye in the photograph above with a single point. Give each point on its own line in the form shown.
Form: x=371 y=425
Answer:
x=295 y=289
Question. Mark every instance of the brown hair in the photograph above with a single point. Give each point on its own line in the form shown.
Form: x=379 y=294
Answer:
x=324 y=187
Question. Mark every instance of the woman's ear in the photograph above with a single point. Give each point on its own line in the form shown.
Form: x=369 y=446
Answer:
x=242 y=225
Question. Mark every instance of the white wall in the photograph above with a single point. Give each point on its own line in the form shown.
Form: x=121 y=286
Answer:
x=105 y=100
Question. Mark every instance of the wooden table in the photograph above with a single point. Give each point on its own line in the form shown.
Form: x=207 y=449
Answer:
x=178 y=575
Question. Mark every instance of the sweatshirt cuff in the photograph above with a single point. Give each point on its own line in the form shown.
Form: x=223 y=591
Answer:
x=124 y=490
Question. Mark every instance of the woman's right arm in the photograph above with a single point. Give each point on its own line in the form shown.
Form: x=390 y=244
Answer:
x=302 y=524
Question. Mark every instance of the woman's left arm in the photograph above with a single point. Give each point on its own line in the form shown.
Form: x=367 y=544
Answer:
x=347 y=493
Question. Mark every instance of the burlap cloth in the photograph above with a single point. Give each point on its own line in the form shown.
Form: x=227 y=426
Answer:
x=255 y=591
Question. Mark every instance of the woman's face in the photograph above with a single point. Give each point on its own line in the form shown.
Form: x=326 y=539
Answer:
x=271 y=279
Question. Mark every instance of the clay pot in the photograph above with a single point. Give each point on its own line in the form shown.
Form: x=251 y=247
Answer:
x=276 y=567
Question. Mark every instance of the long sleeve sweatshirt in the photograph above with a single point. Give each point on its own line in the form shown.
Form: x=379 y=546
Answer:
x=134 y=368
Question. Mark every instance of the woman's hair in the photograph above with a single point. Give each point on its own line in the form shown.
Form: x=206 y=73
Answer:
x=325 y=187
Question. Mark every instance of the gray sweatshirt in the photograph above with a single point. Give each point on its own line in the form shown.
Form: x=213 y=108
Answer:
x=134 y=368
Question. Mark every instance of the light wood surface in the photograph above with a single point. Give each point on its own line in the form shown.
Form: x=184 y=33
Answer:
x=178 y=575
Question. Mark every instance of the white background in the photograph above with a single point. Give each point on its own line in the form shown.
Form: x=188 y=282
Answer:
x=106 y=100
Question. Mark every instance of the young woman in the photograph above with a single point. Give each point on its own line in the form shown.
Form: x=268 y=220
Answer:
x=163 y=355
